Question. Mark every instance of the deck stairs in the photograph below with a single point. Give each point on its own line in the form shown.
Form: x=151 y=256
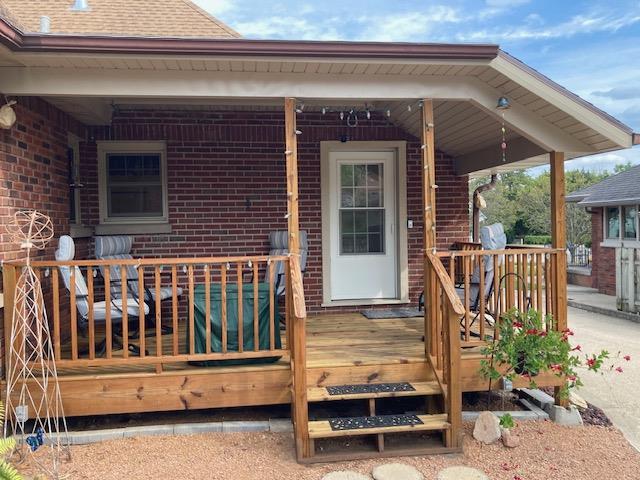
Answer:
x=396 y=432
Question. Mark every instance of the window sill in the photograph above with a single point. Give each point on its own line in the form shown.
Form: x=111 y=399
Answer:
x=80 y=231
x=620 y=243
x=132 y=228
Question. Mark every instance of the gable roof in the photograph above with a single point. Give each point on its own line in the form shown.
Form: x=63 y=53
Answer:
x=132 y=18
x=620 y=189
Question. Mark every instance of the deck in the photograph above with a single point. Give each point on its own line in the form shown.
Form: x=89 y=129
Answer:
x=341 y=348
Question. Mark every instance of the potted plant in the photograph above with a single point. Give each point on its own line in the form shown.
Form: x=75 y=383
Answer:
x=528 y=345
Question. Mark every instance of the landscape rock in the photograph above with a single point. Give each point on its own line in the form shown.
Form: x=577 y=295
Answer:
x=461 y=473
x=487 y=428
x=577 y=400
x=510 y=439
x=396 y=471
x=345 y=475
x=569 y=417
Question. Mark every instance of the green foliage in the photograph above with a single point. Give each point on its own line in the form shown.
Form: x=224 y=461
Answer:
x=507 y=421
x=622 y=167
x=526 y=348
x=537 y=239
x=522 y=203
x=7 y=471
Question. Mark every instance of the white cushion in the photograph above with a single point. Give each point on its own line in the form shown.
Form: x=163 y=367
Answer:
x=165 y=292
x=133 y=309
x=108 y=246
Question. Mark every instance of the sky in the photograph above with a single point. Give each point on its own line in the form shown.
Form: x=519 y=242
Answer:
x=591 y=47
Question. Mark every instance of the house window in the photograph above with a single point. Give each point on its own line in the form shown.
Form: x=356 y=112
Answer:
x=630 y=215
x=133 y=182
x=613 y=222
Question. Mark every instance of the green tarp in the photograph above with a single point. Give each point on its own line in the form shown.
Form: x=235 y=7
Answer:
x=232 y=322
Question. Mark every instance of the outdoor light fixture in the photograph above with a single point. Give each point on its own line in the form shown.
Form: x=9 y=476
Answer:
x=503 y=103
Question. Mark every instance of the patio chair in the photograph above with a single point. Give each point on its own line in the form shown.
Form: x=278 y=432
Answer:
x=66 y=253
x=118 y=247
x=279 y=245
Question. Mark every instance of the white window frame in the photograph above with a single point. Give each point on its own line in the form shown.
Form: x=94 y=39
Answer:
x=112 y=225
x=621 y=241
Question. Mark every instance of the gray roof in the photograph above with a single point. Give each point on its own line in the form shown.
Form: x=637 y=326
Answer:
x=620 y=189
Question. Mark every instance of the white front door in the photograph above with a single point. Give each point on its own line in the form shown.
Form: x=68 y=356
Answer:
x=363 y=230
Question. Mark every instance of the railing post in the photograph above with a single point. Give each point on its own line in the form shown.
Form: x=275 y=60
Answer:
x=9 y=288
x=297 y=307
x=454 y=387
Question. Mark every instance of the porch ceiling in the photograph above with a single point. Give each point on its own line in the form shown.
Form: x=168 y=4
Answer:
x=543 y=116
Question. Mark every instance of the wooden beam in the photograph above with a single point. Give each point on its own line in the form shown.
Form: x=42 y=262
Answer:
x=297 y=324
x=559 y=240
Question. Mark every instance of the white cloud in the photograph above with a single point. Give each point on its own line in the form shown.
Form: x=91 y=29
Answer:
x=506 y=3
x=216 y=7
x=579 y=24
x=289 y=28
x=410 y=26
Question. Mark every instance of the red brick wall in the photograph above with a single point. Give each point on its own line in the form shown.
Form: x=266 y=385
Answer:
x=226 y=175
x=603 y=270
x=33 y=174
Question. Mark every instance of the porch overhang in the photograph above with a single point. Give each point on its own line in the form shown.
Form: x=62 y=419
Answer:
x=87 y=75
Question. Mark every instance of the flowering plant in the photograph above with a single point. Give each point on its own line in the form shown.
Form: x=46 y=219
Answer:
x=527 y=345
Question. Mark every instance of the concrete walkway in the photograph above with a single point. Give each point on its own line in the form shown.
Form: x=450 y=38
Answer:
x=616 y=393
x=591 y=300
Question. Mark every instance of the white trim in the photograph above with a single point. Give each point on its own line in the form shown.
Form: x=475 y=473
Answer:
x=400 y=149
x=105 y=147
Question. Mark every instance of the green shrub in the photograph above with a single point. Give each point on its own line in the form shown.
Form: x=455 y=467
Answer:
x=537 y=239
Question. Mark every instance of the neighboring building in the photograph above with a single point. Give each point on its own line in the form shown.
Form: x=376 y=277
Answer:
x=613 y=204
x=153 y=120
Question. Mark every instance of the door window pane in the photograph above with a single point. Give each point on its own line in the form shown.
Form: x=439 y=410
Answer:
x=613 y=222
x=630 y=219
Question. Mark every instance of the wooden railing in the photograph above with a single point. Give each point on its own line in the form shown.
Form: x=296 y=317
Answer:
x=442 y=329
x=491 y=282
x=75 y=337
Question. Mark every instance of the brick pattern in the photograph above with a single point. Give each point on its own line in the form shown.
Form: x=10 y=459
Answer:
x=226 y=178
x=603 y=270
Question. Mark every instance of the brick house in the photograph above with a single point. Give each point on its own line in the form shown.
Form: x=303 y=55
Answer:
x=613 y=205
x=198 y=147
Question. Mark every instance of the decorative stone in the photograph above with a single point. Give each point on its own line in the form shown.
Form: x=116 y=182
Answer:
x=569 y=417
x=396 y=471
x=487 y=428
x=577 y=400
x=510 y=439
x=461 y=473
x=345 y=475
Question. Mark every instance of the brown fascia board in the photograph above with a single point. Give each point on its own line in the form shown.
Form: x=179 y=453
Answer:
x=22 y=42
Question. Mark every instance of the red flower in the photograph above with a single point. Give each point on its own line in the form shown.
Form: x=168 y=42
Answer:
x=543 y=334
x=567 y=331
x=619 y=369
x=577 y=347
x=532 y=331
x=517 y=324
x=591 y=362
x=556 y=367
x=627 y=358
x=572 y=378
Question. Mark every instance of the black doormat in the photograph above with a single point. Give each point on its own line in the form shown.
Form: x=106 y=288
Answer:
x=370 y=388
x=359 y=423
x=407 y=312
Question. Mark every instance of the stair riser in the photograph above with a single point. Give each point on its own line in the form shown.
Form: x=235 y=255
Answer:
x=412 y=372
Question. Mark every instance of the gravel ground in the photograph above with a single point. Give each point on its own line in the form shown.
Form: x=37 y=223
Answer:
x=547 y=452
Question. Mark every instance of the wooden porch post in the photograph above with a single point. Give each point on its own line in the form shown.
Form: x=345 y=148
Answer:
x=559 y=240
x=428 y=222
x=297 y=324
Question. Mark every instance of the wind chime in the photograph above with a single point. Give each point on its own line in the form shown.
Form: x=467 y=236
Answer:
x=34 y=413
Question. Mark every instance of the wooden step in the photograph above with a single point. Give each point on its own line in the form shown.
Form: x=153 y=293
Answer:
x=321 y=394
x=322 y=428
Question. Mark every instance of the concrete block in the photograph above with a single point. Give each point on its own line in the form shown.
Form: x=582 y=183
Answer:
x=542 y=415
x=569 y=417
x=277 y=425
x=148 y=431
x=95 y=436
x=197 y=428
x=251 y=426
x=538 y=397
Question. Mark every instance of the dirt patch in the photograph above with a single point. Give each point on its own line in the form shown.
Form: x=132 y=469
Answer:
x=547 y=451
x=495 y=400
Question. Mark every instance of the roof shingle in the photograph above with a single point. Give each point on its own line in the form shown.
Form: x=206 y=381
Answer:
x=620 y=189
x=148 y=18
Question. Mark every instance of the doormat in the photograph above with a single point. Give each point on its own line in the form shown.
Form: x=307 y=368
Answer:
x=407 y=312
x=358 y=423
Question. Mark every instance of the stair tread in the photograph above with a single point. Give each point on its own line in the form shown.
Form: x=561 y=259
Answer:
x=320 y=394
x=322 y=428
